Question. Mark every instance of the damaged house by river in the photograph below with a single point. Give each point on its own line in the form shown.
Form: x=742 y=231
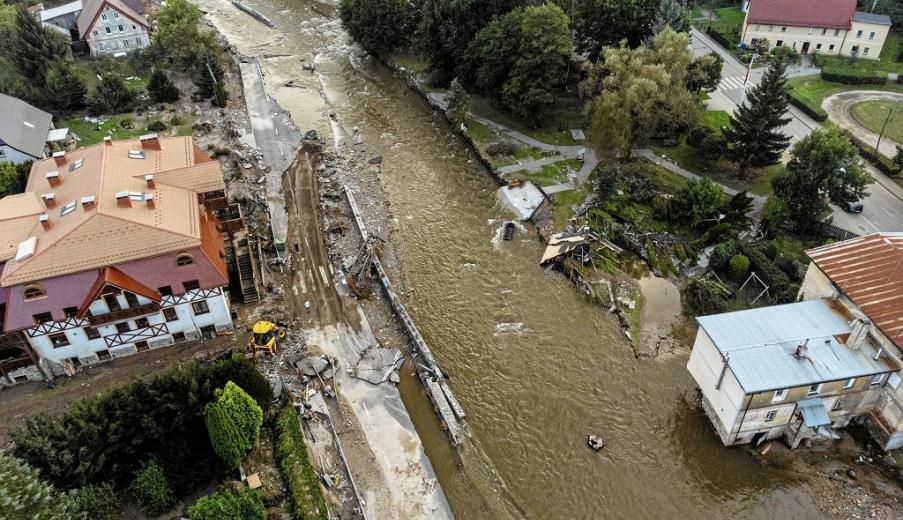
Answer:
x=801 y=370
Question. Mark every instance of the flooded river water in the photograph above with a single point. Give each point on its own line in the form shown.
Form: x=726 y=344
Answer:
x=535 y=366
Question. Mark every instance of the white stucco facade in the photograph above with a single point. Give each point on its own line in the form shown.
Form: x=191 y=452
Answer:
x=113 y=32
x=864 y=39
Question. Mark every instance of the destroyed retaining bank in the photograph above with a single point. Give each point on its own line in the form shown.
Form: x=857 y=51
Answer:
x=444 y=402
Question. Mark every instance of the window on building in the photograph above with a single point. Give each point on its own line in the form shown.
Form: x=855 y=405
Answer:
x=779 y=43
x=115 y=14
x=838 y=404
x=123 y=326
x=854 y=51
x=92 y=333
x=134 y=27
x=103 y=355
x=779 y=395
x=141 y=346
x=771 y=415
x=125 y=42
x=59 y=340
x=831 y=47
x=131 y=299
x=96 y=33
x=850 y=382
x=103 y=16
x=70 y=312
x=818 y=47
x=200 y=307
x=877 y=379
x=770 y=28
x=112 y=302
x=141 y=323
x=32 y=291
x=858 y=34
x=872 y=35
x=121 y=28
x=836 y=32
x=191 y=285
x=865 y=51
x=178 y=336
x=814 y=390
x=824 y=31
x=44 y=317
x=183 y=259
x=170 y=314
x=757 y=28
x=109 y=31
x=138 y=41
x=783 y=29
x=209 y=331
x=811 y=30
x=166 y=290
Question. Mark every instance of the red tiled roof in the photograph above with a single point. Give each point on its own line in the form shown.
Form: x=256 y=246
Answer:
x=833 y=14
x=869 y=271
x=115 y=277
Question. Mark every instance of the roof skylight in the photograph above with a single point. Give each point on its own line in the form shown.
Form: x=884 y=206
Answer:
x=67 y=208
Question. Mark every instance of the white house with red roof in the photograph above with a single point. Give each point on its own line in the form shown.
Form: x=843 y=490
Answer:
x=864 y=275
x=832 y=27
x=113 y=26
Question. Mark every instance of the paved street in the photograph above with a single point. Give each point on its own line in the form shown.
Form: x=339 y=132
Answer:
x=884 y=204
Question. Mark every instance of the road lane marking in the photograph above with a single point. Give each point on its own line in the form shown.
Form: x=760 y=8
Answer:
x=869 y=222
x=323 y=274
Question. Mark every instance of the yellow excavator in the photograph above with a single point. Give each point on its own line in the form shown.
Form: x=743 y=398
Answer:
x=264 y=335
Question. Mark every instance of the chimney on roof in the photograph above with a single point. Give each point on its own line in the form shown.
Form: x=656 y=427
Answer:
x=149 y=199
x=149 y=179
x=149 y=142
x=59 y=158
x=54 y=179
x=49 y=200
x=108 y=141
x=45 y=221
x=88 y=202
x=861 y=328
x=802 y=351
x=123 y=200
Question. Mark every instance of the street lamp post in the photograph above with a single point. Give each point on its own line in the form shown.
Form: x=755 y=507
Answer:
x=746 y=78
x=884 y=126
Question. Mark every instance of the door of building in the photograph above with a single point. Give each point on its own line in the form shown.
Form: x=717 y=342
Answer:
x=758 y=438
x=805 y=49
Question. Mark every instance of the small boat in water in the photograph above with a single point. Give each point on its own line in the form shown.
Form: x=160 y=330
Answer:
x=595 y=442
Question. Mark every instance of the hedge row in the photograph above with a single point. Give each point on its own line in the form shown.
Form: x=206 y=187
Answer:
x=781 y=288
x=720 y=38
x=849 y=77
x=885 y=165
x=816 y=114
x=303 y=484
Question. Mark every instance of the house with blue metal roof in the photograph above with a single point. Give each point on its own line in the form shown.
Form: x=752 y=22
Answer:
x=796 y=371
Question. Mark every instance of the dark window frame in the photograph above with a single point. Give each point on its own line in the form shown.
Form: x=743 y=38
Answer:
x=59 y=340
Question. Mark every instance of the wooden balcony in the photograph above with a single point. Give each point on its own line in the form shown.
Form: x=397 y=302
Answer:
x=124 y=314
x=14 y=364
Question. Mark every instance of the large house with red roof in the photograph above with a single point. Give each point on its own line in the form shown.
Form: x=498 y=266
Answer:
x=112 y=249
x=832 y=27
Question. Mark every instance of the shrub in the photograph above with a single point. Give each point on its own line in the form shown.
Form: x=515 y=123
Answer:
x=697 y=200
x=151 y=490
x=722 y=254
x=161 y=89
x=229 y=505
x=303 y=485
x=781 y=288
x=177 y=121
x=97 y=502
x=156 y=126
x=702 y=296
x=739 y=267
x=224 y=435
x=815 y=113
x=698 y=134
x=853 y=77
x=233 y=423
x=127 y=122
x=24 y=496
x=112 y=96
x=504 y=147
x=713 y=147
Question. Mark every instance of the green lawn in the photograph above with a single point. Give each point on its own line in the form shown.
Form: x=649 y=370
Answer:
x=873 y=114
x=550 y=174
x=885 y=64
x=91 y=133
x=555 y=129
x=715 y=119
x=812 y=90
x=483 y=135
x=729 y=22
x=722 y=171
x=565 y=202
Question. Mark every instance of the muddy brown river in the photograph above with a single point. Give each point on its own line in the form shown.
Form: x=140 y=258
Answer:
x=535 y=366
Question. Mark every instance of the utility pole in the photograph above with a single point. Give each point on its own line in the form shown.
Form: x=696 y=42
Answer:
x=884 y=127
x=746 y=78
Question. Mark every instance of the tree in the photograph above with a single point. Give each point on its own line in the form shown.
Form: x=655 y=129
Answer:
x=151 y=489
x=64 y=91
x=755 y=127
x=761 y=46
x=233 y=423
x=824 y=167
x=639 y=91
x=601 y=23
x=520 y=57
x=697 y=200
x=112 y=95
x=24 y=496
x=671 y=13
x=704 y=72
x=380 y=26
x=161 y=89
x=892 y=8
x=737 y=210
x=12 y=180
x=229 y=505
x=208 y=72
x=898 y=158
x=178 y=33
x=34 y=48
x=738 y=267
x=458 y=102
x=96 y=502
x=702 y=296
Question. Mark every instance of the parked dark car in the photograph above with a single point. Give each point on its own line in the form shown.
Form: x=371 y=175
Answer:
x=853 y=207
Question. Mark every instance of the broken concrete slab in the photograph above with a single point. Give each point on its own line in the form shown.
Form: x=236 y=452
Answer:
x=377 y=365
x=523 y=199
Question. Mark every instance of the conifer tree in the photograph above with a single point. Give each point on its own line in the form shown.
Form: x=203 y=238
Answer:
x=34 y=48
x=161 y=88
x=755 y=130
x=64 y=91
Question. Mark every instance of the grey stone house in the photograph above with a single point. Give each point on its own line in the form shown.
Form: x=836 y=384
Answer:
x=112 y=27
